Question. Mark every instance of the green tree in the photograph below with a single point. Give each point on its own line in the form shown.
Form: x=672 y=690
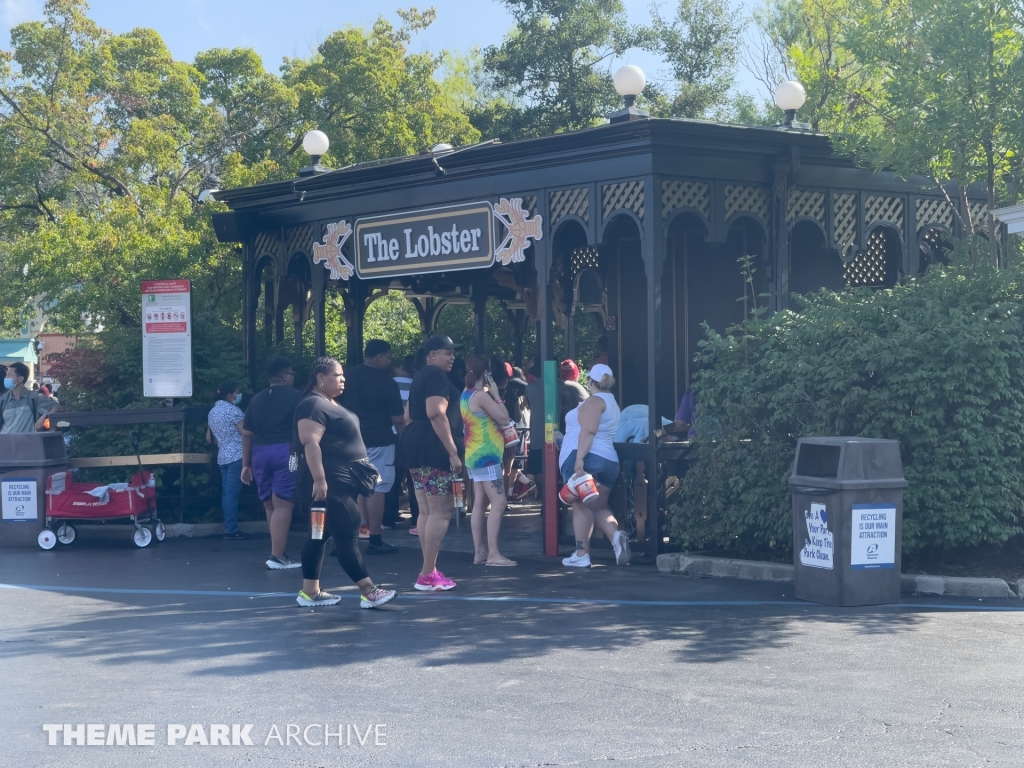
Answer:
x=555 y=66
x=373 y=97
x=700 y=43
x=107 y=142
x=947 y=81
x=914 y=86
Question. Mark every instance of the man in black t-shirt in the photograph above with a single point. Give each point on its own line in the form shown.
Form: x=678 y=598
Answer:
x=431 y=447
x=266 y=440
x=372 y=394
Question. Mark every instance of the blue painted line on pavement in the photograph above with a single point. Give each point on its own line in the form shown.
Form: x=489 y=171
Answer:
x=119 y=591
x=515 y=599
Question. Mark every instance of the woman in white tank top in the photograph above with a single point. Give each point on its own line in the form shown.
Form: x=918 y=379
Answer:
x=588 y=448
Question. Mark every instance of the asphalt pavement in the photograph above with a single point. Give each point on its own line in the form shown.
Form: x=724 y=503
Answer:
x=195 y=641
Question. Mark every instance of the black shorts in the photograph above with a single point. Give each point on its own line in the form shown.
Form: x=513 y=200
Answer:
x=535 y=461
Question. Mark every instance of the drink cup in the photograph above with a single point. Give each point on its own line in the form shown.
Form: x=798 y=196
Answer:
x=458 y=491
x=585 y=487
x=316 y=520
x=509 y=434
x=566 y=495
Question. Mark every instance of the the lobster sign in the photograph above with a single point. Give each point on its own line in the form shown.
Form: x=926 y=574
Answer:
x=445 y=239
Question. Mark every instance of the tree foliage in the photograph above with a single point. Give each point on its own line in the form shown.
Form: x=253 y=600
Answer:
x=555 y=64
x=700 y=44
x=107 y=142
x=914 y=86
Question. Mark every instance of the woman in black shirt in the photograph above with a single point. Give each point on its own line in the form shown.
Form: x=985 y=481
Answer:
x=431 y=447
x=330 y=440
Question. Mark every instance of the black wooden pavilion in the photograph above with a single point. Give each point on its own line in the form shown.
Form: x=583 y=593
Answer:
x=642 y=222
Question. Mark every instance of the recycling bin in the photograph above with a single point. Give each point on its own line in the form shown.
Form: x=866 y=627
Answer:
x=847 y=520
x=26 y=461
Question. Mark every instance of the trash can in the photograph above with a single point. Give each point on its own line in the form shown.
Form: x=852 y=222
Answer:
x=26 y=461
x=847 y=520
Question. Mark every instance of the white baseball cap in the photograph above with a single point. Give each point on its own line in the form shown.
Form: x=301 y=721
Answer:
x=599 y=371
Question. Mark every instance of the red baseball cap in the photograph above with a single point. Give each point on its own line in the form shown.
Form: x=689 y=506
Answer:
x=568 y=371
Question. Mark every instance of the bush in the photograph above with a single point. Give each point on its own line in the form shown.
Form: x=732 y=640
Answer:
x=937 y=363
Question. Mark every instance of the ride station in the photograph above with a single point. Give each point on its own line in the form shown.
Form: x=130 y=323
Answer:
x=646 y=228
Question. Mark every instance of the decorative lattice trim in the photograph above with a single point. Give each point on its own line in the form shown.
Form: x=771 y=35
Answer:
x=587 y=257
x=684 y=194
x=265 y=244
x=743 y=199
x=299 y=239
x=934 y=211
x=628 y=195
x=805 y=203
x=868 y=268
x=979 y=216
x=570 y=202
x=844 y=218
x=879 y=207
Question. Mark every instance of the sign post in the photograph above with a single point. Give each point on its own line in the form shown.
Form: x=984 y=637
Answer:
x=551 y=479
x=167 y=338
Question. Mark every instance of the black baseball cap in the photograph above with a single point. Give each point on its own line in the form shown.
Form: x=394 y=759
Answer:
x=440 y=342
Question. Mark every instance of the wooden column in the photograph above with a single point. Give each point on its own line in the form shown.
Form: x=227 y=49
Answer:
x=653 y=249
x=779 y=237
x=319 y=311
x=250 y=297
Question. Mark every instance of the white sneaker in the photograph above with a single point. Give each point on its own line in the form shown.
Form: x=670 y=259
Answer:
x=575 y=561
x=620 y=543
x=282 y=563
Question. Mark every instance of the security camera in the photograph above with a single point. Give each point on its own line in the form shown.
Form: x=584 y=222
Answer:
x=207 y=194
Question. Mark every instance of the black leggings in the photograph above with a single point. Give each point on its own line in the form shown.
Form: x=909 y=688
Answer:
x=341 y=522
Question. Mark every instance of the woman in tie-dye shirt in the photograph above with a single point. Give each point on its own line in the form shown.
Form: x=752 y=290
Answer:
x=482 y=413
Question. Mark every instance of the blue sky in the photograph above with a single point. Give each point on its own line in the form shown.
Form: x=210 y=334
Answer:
x=277 y=29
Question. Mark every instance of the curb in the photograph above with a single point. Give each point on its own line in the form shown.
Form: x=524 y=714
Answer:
x=910 y=584
x=195 y=530
x=720 y=567
x=188 y=530
x=957 y=586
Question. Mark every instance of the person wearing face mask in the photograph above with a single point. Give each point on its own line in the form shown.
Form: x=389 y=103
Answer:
x=21 y=409
x=225 y=427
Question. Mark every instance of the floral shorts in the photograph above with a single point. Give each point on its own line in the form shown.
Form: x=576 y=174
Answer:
x=432 y=481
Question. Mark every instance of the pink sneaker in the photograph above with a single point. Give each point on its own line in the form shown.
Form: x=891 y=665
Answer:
x=434 y=582
x=414 y=531
x=364 y=531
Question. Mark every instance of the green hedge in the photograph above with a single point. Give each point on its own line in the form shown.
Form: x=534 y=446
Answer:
x=937 y=363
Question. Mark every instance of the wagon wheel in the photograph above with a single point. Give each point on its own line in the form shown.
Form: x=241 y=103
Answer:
x=142 y=537
x=160 y=531
x=47 y=539
x=66 y=534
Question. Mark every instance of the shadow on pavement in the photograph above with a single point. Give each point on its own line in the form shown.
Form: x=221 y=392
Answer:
x=249 y=635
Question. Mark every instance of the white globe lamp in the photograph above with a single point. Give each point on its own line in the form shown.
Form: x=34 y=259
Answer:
x=789 y=97
x=629 y=83
x=316 y=144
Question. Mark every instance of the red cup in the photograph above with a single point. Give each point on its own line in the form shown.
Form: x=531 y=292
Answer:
x=509 y=434
x=458 y=491
x=585 y=487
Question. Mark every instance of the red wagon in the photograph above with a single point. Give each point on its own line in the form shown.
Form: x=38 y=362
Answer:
x=68 y=501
